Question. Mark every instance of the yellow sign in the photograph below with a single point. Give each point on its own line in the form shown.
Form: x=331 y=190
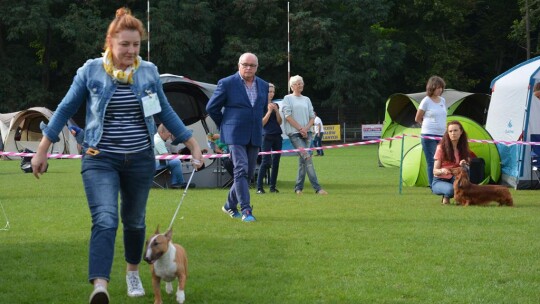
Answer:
x=332 y=133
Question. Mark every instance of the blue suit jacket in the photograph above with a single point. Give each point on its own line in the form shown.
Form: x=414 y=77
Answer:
x=230 y=108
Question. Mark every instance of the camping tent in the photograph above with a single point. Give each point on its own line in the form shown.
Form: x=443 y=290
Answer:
x=188 y=99
x=399 y=119
x=21 y=130
x=414 y=171
x=401 y=110
x=514 y=115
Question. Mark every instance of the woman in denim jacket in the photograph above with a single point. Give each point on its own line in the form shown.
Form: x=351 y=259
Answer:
x=121 y=92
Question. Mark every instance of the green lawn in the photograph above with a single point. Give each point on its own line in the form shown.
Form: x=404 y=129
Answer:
x=363 y=243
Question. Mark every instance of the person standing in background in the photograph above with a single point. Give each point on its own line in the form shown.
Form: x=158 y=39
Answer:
x=122 y=92
x=318 y=133
x=299 y=117
x=175 y=165
x=237 y=107
x=432 y=115
x=272 y=141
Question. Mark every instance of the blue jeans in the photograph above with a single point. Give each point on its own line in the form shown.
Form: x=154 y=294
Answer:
x=444 y=187
x=175 y=165
x=105 y=175
x=317 y=142
x=271 y=142
x=429 y=146
x=305 y=163
x=244 y=159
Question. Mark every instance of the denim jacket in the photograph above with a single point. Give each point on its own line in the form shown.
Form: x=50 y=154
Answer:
x=93 y=85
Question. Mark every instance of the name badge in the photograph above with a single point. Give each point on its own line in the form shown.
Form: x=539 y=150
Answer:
x=151 y=104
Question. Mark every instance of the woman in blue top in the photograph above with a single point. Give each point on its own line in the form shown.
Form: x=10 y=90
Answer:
x=432 y=115
x=121 y=92
x=272 y=141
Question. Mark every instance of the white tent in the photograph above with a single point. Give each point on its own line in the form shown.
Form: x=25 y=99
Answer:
x=20 y=130
x=514 y=115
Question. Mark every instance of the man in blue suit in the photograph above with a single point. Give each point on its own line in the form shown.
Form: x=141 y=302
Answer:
x=237 y=107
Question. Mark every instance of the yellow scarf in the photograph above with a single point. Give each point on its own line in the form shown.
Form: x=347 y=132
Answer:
x=125 y=76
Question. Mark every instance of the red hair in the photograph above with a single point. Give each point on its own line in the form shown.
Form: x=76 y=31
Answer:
x=124 y=21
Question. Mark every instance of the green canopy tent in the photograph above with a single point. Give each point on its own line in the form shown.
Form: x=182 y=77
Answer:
x=468 y=108
x=414 y=170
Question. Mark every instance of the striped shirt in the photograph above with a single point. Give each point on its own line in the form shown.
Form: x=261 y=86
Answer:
x=124 y=129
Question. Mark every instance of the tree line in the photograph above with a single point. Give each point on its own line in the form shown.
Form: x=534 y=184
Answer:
x=352 y=54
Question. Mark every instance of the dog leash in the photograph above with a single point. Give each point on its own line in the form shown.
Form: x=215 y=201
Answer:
x=5 y=215
x=182 y=199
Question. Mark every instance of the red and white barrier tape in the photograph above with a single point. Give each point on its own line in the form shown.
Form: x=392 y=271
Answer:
x=486 y=141
x=368 y=142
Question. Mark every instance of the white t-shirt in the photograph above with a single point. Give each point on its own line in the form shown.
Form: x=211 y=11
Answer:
x=160 y=146
x=316 y=124
x=434 y=121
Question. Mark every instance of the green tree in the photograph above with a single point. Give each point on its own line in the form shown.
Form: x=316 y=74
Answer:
x=346 y=55
x=253 y=26
x=180 y=37
x=352 y=54
x=526 y=28
x=462 y=41
x=338 y=47
x=25 y=56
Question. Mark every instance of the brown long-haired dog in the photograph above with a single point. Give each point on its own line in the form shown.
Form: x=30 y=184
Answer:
x=467 y=193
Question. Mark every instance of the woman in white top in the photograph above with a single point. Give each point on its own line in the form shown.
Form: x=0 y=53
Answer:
x=432 y=115
x=299 y=117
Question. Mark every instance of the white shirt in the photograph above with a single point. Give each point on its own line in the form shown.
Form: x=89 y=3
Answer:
x=318 y=124
x=159 y=145
x=434 y=121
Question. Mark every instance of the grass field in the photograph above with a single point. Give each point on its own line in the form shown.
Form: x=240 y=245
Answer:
x=363 y=243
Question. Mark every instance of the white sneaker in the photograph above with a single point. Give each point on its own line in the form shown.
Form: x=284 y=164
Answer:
x=99 y=295
x=134 y=285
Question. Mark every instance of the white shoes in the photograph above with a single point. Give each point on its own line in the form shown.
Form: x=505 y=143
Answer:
x=134 y=285
x=99 y=295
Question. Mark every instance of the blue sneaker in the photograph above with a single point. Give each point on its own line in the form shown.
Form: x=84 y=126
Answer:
x=247 y=216
x=231 y=212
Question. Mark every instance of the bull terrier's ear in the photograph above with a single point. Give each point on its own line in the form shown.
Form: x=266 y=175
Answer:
x=168 y=234
x=157 y=230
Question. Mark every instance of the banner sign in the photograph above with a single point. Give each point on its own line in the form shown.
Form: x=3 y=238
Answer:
x=373 y=131
x=332 y=133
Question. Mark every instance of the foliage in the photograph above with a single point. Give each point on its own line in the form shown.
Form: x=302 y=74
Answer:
x=352 y=54
x=362 y=243
x=530 y=9
x=351 y=51
x=181 y=37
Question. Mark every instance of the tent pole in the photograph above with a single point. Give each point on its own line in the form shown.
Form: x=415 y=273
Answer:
x=288 y=49
x=401 y=164
x=148 y=28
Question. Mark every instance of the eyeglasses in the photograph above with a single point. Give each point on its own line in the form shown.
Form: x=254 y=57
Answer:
x=247 y=65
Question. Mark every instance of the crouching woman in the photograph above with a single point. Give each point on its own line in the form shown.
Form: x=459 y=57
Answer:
x=451 y=152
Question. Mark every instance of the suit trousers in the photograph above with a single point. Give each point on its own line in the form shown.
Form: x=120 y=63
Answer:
x=244 y=159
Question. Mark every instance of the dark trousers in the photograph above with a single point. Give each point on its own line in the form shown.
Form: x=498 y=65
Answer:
x=317 y=142
x=271 y=142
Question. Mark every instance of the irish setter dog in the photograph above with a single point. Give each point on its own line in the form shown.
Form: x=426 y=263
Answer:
x=467 y=193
